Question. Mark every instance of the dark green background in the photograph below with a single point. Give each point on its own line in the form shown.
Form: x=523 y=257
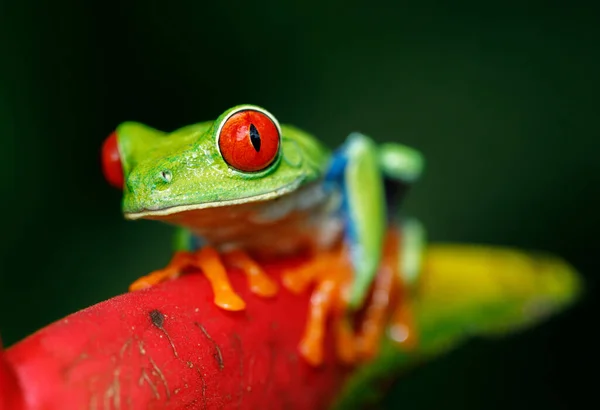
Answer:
x=502 y=101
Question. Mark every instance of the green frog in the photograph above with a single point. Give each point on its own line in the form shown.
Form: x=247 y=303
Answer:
x=245 y=187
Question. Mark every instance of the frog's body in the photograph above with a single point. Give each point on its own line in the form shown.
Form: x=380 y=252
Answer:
x=244 y=186
x=306 y=219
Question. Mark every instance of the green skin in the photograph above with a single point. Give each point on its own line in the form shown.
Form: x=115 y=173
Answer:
x=169 y=174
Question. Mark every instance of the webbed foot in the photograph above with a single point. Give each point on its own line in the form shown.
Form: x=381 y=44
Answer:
x=258 y=281
x=213 y=266
x=180 y=260
x=388 y=306
x=330 y=273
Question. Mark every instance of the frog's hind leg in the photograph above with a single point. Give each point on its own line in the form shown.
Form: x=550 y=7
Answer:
x=343 y=276
x=389 y=301
x=331 y=274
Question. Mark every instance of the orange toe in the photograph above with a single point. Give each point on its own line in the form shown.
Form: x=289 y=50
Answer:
x=209 y=261
x=260 y=284
x=179 y=261
x=151 y=279
x=345 y=340
x=298 y=280
x=311 y=345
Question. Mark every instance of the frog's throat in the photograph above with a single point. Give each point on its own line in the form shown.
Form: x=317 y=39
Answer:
x=215 y=204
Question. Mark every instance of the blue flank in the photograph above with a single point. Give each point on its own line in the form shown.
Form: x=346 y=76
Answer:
x=335 y=178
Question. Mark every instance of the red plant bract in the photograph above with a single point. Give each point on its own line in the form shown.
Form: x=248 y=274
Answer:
x=171 y=347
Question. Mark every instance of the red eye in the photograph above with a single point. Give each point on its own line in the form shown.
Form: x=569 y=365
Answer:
x=111 y=162
x=249 y=141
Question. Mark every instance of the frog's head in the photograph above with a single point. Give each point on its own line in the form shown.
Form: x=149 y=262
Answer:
x=243 y=156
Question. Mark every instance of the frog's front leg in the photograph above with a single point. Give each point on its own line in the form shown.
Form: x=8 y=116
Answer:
x=206 y=259
x=183 y=244
x=213 y=266
x=179 y=261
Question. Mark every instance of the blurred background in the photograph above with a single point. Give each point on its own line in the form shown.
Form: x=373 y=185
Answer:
x=501 y=100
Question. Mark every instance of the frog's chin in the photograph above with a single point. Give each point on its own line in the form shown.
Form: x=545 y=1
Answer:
x=177 y=209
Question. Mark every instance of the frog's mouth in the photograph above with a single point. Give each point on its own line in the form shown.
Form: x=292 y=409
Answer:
x=177 y=209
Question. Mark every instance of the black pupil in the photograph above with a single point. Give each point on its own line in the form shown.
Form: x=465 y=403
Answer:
x=254 y=137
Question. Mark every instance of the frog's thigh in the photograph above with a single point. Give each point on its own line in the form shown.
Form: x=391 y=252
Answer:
x=365 y=210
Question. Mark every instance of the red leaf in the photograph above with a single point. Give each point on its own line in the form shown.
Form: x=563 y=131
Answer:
x=171 y=347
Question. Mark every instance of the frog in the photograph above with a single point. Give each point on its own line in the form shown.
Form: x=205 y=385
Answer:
x=244 y=187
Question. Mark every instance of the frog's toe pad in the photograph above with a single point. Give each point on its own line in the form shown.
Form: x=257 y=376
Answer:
x=229 y=301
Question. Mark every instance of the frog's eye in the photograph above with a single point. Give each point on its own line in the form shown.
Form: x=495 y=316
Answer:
x=111 y=162
x=249 y=140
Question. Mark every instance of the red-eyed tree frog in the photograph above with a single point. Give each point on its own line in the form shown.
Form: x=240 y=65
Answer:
x=244 y=187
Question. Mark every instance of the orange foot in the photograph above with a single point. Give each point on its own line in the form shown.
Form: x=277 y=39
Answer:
x=331 y=274
x=208 y=260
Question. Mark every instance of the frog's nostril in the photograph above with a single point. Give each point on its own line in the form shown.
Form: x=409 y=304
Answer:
x=166 y=176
